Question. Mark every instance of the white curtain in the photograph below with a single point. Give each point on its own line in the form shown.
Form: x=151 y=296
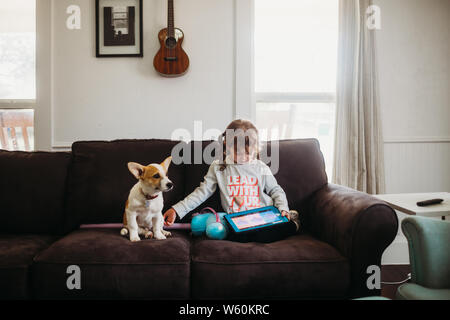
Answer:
x=358 y=156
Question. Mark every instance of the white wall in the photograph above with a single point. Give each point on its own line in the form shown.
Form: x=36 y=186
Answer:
x=108 y=98
x=414 y=72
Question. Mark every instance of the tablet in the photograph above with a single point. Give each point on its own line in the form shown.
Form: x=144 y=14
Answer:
x=255 y=219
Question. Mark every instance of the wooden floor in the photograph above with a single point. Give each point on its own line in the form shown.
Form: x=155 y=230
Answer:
x=393 y=273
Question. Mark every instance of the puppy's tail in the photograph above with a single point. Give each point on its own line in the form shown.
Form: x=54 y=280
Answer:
x=124 y=231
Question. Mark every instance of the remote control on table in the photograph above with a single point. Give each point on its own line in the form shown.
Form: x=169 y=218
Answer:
x=429 y=202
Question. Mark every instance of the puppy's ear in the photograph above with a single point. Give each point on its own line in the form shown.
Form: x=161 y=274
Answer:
x=166 y=163
x=136 y=169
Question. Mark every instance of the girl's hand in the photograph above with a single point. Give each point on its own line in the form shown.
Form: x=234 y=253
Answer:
x=169 y=217
x=286 y=214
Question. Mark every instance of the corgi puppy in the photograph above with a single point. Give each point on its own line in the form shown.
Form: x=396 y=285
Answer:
x=143 y=209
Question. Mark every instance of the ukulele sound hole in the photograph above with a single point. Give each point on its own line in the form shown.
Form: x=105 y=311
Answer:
x=171 y=42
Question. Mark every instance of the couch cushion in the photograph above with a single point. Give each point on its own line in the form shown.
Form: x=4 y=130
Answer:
x=16 y=256
x=297 y=267
x=32 y=191
x=109 y=184
x=77 y=191
x=112 y=267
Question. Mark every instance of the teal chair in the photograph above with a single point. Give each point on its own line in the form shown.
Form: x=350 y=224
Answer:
x=429 y=255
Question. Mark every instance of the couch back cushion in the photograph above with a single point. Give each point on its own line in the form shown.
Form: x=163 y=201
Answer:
x=100 y=193
x=301 y=171
x=32 y=191
x=195 y=172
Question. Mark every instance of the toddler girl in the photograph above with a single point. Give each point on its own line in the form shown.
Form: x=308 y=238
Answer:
x=244 y=182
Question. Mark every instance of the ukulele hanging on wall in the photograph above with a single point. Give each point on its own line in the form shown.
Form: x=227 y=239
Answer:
x=171 y=60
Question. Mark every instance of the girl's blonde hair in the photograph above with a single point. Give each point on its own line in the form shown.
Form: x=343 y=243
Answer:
x=251 y=138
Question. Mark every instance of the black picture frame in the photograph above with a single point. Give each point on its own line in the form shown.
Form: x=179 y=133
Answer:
x=110 y=43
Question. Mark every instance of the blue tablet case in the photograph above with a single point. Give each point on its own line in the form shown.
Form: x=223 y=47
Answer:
x=246 y=221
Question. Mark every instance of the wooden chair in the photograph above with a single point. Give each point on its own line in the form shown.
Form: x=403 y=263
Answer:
x=10 y=121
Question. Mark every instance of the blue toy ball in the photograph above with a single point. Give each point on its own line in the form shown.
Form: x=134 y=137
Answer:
x=198 y=224
x=216 y=230
x=213 y=224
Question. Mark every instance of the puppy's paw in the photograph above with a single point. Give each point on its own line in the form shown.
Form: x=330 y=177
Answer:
x=166 y=233
x=135 y=238
x=148 y=234
x=160 y=236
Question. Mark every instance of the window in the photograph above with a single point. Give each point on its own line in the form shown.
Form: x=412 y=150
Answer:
x=295 y=70
x=17 y=73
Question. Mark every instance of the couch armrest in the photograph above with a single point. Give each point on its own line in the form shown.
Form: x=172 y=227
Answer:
x=429 y=253
x=360 y=226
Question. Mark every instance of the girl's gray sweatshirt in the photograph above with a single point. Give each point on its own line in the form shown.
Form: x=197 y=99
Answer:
x=242 y=187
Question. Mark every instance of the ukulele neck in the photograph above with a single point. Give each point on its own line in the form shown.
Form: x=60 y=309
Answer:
x=170 y=19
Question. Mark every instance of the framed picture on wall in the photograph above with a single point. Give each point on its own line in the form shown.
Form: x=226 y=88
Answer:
x=119 y=28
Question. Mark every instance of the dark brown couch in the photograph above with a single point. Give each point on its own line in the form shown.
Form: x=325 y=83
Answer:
x=45 y=197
